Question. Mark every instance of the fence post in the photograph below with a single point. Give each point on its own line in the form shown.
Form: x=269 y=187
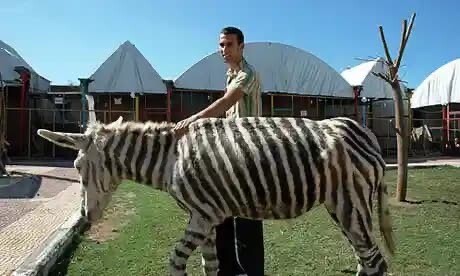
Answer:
x=54 y=129
x=29 y=154
x=84 y=91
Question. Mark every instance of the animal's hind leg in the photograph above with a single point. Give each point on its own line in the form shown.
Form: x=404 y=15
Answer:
x=358 y=231
x=209 y=255
x=195 y=235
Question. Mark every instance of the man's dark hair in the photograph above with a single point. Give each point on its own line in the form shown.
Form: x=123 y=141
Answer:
x=235 y=31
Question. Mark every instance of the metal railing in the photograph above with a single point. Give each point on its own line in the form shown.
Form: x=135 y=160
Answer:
x=25 y=142
x=421 y=143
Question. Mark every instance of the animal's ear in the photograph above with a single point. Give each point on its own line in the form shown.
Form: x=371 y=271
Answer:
x=116 y=123
x=74 y=141
x=105 y=132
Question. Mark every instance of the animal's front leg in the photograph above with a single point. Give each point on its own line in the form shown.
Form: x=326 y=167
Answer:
x=195 y=234
x=209 y=255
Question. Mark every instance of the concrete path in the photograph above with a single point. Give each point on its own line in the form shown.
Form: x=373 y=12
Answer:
x=27 y=223
x=428 y=162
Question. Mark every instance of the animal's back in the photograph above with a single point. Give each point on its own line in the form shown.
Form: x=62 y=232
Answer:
x=261 y=167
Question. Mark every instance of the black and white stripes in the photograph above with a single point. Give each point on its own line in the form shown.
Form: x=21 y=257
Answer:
x=259 y=168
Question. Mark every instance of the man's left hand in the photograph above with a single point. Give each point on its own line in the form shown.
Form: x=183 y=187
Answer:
x=182 y=127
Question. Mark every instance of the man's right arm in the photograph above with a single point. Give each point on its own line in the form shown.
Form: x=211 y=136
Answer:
x=216 y=109
x=235 y=91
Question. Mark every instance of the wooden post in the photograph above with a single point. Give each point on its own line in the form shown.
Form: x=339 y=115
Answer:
x=448 y=122
x=84 y=91
x=168 y=103
x=272 y=109
x=3 y=143
x=445 y=127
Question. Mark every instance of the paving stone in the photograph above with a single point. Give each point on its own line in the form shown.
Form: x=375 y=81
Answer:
x=26 y=223
x=12 y=210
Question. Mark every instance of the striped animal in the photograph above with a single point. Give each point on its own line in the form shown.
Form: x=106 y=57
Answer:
x=259 y=168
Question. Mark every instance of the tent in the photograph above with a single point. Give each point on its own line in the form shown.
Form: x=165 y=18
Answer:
x=441 y=87
x=127 y=74
x=10 y=60
x=126 y=71
x=372 y=86
x=282 y=68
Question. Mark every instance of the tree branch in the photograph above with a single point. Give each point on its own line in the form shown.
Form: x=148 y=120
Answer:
x=385 y=46
x=402 y=44
x=380 y=75
x=411 y=23
x=404 y=38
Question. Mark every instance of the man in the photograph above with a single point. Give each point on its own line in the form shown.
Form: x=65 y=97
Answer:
x=239 y=242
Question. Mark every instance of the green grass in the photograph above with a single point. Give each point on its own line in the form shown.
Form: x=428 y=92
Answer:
x=427 y=234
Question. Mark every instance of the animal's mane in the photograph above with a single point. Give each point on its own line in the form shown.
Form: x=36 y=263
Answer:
x=149 y=127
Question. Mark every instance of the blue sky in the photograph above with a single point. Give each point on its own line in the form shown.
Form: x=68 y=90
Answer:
x=65 y=40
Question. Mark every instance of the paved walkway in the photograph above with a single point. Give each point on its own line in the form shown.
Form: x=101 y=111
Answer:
x=25 y=223
x=427 y=162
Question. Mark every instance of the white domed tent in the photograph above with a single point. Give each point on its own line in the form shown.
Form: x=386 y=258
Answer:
x=372 y=86
x=441 y=87
x=436 y=102
x=376 y=99
x=127 y=85
x=286 y=73
x=18 y=81
x=11 y=62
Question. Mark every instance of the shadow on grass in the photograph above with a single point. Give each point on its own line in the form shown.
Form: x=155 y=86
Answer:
x=417 y=202
x=60 y=268
x=348 y=271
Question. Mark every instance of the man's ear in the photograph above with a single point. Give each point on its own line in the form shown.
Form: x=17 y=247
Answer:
x=74 y=141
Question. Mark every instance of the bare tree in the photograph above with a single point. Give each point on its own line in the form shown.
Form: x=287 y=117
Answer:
x=402 y=132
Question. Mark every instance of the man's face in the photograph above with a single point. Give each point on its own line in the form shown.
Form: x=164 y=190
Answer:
x=229 y=48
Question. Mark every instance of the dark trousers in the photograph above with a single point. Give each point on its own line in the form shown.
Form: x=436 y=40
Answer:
x=249 y=245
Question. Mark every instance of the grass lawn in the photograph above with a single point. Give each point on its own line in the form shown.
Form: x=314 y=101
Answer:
x=141 y=226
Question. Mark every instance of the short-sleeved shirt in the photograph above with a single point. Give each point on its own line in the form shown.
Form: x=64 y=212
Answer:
x=247 y=79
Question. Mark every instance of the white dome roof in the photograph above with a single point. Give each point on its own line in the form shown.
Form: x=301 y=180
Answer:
x=373 y=86
x=282 y=68
x=441 y=87
x=9 y=59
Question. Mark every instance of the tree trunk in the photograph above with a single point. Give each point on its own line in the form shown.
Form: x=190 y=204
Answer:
x=401 y=124
x=402 y=144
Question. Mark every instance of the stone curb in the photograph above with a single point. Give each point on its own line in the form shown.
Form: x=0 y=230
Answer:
x=42 y=259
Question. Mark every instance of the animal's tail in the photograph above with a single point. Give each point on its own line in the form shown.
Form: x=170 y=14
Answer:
x=386 y=225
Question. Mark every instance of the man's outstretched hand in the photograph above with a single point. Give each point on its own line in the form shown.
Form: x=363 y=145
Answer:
x=182 y=127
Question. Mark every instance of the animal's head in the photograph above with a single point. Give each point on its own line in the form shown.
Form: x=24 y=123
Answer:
x=96 y=179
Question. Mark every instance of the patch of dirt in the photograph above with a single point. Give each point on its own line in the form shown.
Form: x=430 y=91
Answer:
x=116 y=215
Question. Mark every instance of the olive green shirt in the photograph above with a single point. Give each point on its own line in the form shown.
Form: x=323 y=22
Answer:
x=247 y=79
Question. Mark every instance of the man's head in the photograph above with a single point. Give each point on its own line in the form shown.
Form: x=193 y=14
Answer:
x=231 y=44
